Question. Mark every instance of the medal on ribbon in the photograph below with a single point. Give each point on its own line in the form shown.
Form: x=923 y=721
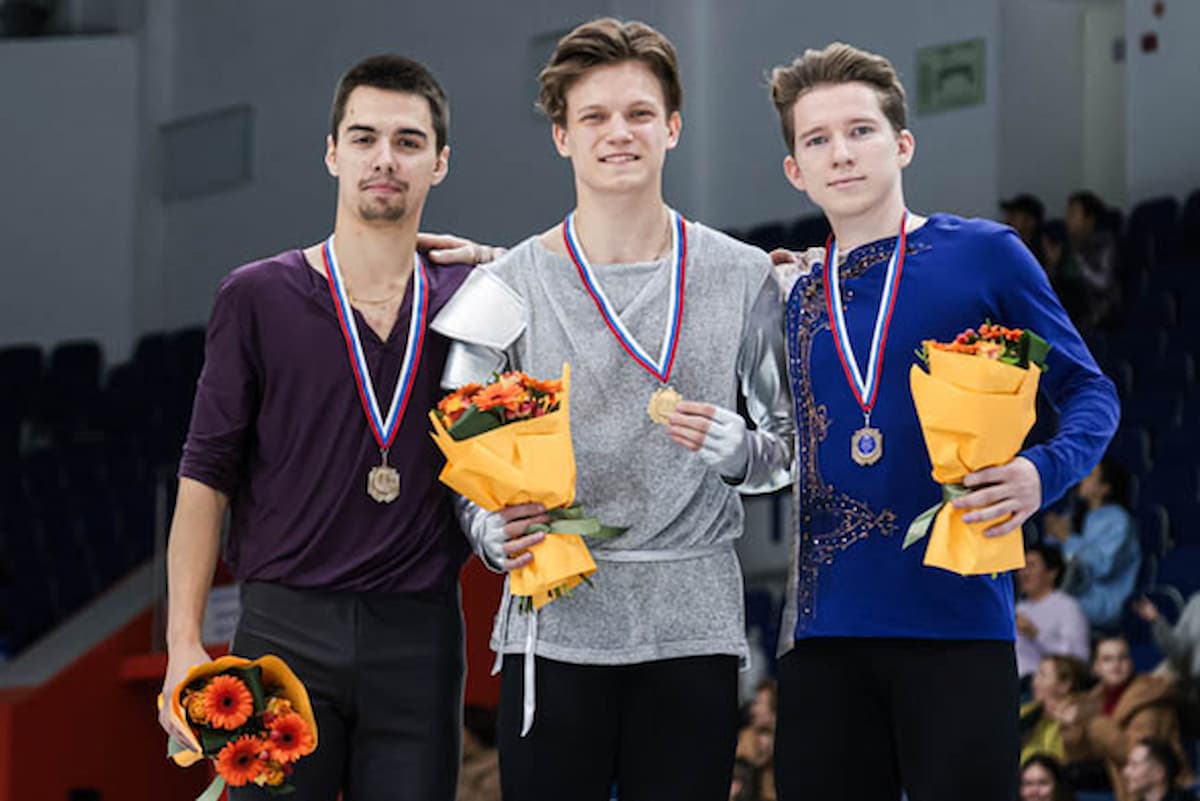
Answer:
x=660 y=368
x=866 y=444
x=383 y=480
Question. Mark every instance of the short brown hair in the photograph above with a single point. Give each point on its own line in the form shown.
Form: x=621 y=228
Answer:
x=837 y=63
x=396 y=74
x=602 y=42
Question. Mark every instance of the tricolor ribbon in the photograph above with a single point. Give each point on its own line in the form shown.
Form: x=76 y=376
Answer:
x=384 y=429
x=865 y=389
x=660 y=369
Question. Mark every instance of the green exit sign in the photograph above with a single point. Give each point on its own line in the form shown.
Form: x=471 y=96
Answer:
x=951 y=76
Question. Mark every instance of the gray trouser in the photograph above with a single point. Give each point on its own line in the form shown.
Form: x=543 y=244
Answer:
x=385 y=676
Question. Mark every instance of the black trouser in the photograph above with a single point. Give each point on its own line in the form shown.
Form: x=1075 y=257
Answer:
x=659 y=730
x=861 y=719
x=385 y=675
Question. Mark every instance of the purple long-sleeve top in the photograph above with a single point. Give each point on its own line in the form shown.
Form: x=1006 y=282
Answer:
x=278 y=427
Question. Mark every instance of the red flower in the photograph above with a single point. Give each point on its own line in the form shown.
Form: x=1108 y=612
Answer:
x=290 y=738
x=228 y=702
x=239 y=762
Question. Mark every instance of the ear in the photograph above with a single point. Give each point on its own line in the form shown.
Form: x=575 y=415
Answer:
x=559 y=134
x=674 y=127
x=792 y=170
x=906 y=147
x=331 y=155
x=442 y=167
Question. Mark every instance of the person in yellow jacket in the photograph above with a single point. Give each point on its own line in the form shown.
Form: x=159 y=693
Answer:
x=1057 y=682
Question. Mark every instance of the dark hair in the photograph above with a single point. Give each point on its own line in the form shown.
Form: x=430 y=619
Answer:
x=1114 y=474
x=1052 y=556
x=395 y=74
x=602 y=42
x=837 y=63
x=1027 y=203
x=1067 y=667
x=1163 y=752
x=1091 y=204
x=1062 y=790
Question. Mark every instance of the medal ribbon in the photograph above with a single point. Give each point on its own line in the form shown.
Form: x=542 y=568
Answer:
x=865 y=389
x=660 y=369
x=384 y=429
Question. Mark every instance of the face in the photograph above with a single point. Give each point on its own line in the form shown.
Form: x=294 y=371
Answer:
x=761 y=713
x=1113 y=665
x=1036 y=579
x=1024 y=223
x=1077 y=222
x=1047 y=684
x=846 y=156
x=1141 y=772
x=1037 y=783
x=617 y=130
x=385 y=157
x=1093 y=488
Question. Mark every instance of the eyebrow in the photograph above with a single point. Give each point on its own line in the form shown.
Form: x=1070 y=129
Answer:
x=855 y=121
x=373 y=129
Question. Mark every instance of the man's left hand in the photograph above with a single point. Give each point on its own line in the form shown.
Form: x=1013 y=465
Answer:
x=1013 y=490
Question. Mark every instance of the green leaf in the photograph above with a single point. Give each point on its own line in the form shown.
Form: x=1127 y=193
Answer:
x=213 y=740
x=1033 y=349
x=283 y=789
x=474 y=422
x=175 y=747
x=584 y=528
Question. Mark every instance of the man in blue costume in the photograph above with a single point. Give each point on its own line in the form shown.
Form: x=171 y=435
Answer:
x=897 y=676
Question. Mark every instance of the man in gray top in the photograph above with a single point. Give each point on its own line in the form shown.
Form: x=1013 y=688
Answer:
x=634 y=680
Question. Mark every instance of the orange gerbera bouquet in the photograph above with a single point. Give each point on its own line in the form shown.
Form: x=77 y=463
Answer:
x=253 y=719
x=507 y=443
x=976 y=404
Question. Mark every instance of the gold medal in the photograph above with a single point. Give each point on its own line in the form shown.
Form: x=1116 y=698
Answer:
x=662 y=403
x=866 y=446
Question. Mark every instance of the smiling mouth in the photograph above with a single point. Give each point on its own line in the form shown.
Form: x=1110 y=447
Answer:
x=620 y=158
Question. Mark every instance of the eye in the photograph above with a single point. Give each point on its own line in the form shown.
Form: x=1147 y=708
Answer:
x=362 y=139
x=862 y=130
x=643 y=113
x=409 y=143
x=814 y=141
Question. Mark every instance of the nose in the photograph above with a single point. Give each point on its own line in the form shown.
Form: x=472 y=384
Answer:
x=618 y=129
x=842 y=156
x=383 y=159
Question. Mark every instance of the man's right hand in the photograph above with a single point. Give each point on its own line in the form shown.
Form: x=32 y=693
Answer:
x=505 y=541
x=181 y=660
x=1146 y=609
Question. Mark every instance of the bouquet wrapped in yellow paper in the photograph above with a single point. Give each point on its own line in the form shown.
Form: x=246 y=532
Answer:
x=252 y=718
x=508 y=443
x=976 y=405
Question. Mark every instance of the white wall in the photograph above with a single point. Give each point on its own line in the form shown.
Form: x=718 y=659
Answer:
x=68 y=170
x=1103 y=135
x=1041 y=101
x=1163 y=96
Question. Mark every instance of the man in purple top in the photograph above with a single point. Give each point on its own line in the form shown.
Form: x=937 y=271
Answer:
x=310 y=426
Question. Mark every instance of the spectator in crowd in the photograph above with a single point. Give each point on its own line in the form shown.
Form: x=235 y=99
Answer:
x=1059 y=264
x=479 y=777
x=1042 y=780
x=1103 y=558
x=1094 y=253
x=1025 y=213
x=744 y=786
x=1180 y=644
x=1057 y=682
x=1153 y=771
x=1049 y=621
x=762 y=709
x=1119 y=712
x=756 y=746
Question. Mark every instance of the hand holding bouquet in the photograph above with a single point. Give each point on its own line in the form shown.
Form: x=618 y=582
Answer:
x=253 y=719
x=976 y=405
x=509 y=443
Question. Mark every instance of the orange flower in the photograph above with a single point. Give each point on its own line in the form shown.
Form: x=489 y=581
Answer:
x=290 y=738
x=278 y=706
x=272 y=775
x=506 y=392
x=196 y=706
x=228 y=702
x=551 y=387
x=239 y=762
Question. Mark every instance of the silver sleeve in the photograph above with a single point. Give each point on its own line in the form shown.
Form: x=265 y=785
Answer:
x=762 y=372
x=471 y=518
